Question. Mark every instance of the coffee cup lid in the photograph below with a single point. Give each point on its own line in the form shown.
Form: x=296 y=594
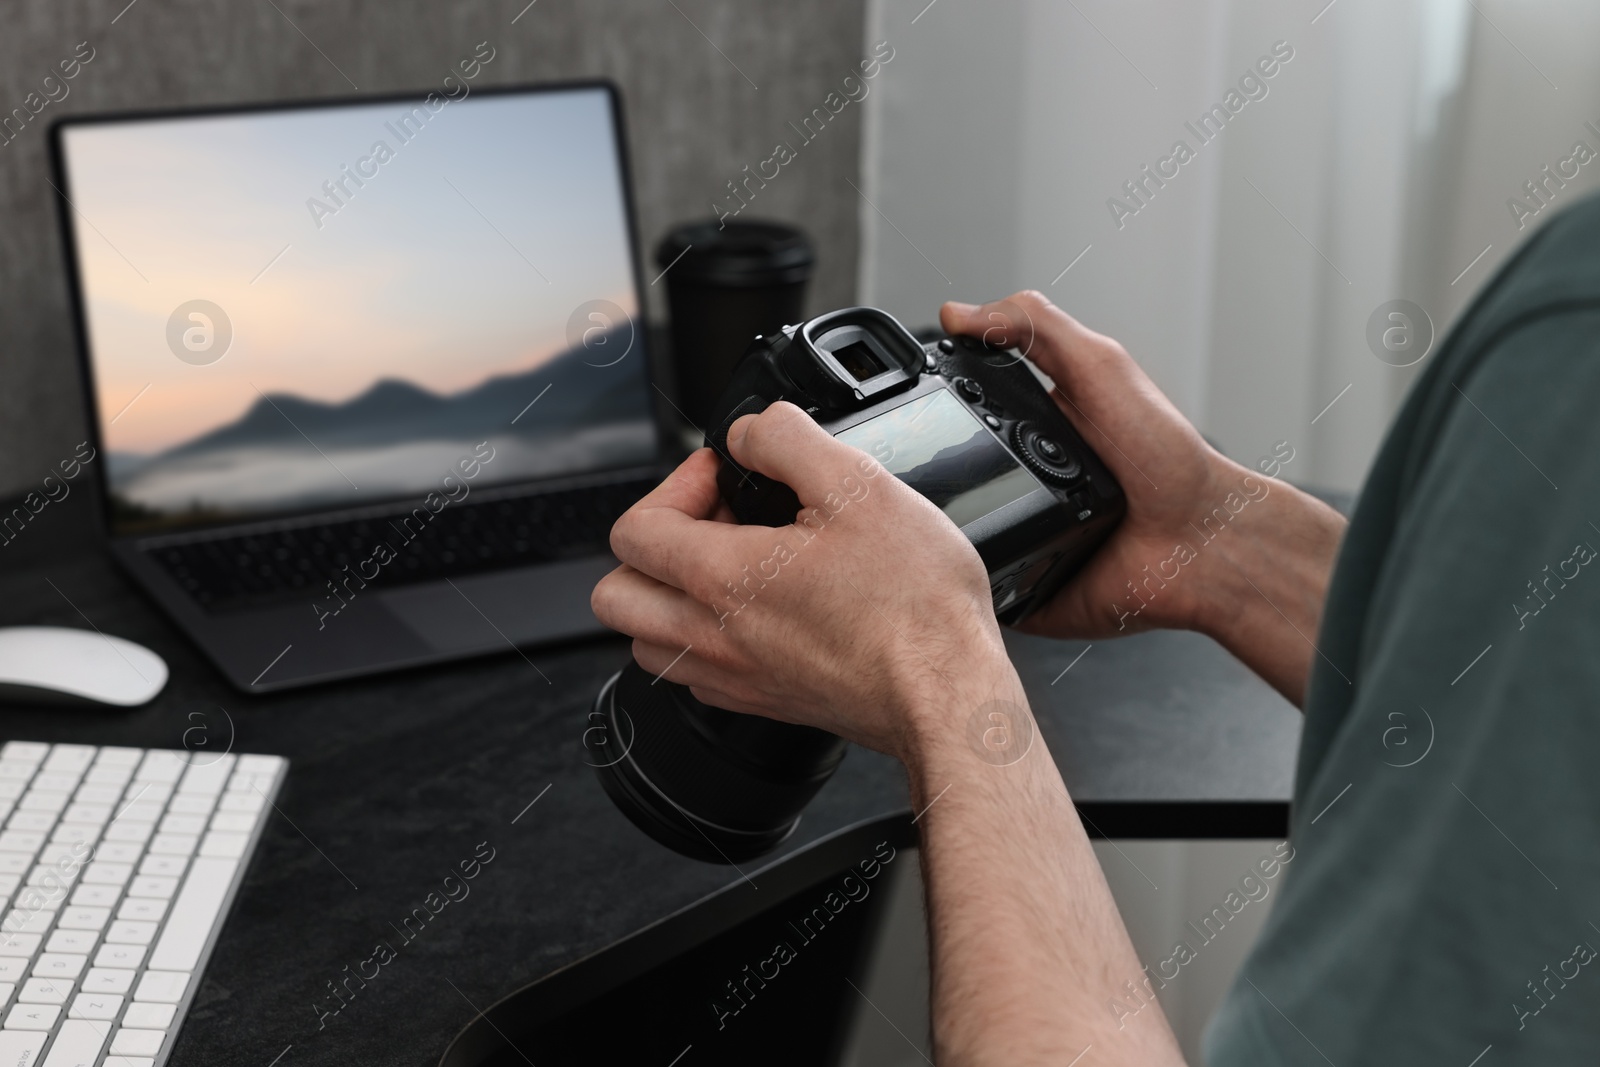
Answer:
x=736 y=253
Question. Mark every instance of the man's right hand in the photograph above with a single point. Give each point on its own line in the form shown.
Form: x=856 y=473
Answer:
x=1166 y=566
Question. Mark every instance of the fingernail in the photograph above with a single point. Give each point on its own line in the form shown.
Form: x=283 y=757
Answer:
x=740 y=427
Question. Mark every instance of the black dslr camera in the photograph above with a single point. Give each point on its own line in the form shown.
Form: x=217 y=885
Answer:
x=968 y=426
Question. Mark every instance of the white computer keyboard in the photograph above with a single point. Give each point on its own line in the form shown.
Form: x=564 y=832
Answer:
x=117 y=866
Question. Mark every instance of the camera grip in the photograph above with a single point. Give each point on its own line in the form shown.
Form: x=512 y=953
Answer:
x=755 y=499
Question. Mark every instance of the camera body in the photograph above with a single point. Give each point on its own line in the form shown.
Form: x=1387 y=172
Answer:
x=967 y=425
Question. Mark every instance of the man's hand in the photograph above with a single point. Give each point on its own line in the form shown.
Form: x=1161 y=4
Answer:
x=861 y=618
x=1207 y=544
x=870 y=616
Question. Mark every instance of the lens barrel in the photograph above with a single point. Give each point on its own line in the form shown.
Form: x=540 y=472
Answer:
x=713 y=785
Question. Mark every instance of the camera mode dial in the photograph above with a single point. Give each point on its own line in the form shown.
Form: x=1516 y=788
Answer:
x=1044 y=455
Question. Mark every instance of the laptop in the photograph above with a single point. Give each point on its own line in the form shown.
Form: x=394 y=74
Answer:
x=367 y=380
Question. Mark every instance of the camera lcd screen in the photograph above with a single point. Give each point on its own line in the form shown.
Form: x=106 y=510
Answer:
x=940 y=449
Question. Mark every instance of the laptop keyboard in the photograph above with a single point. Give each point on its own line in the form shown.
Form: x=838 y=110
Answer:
x=117 y=866
x=282 y=563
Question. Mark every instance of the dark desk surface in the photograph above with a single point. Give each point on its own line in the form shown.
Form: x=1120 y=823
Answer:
x=394 y=781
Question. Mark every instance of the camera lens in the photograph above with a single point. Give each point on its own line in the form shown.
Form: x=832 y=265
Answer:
x=711 y=784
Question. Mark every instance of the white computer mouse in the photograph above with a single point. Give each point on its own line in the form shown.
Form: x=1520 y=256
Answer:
x=40 y=660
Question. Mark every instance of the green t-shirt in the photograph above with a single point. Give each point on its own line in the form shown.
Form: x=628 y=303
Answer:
x=1444 y=895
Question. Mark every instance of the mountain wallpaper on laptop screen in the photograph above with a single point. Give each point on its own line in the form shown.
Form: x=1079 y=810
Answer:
x=288 y=453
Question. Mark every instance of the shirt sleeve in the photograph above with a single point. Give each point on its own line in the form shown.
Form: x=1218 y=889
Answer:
x=1444 y=892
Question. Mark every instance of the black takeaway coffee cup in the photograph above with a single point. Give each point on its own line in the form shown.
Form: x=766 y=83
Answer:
x=725 y=286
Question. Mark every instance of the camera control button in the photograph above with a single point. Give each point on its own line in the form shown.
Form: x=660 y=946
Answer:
x=970 y=390
x=946 y=345
x=991 y=422
x=1044 y=455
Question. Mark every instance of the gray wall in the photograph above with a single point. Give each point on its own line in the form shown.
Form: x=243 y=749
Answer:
x=694 y=120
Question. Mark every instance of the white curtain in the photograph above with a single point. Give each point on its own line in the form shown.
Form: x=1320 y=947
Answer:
x=1374 y=165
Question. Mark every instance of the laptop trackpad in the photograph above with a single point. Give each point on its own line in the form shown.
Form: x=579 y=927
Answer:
x=502 y=608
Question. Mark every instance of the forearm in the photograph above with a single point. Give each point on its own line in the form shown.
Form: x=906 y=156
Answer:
x=1266 y=582
x=1029 y=952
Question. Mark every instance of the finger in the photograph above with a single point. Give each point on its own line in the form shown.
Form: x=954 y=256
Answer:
x=674 y=533
x=679 y=664
x=785 y=443
x=690 y=489
x=633 y=603
x=1092 y=373
x=705 y=683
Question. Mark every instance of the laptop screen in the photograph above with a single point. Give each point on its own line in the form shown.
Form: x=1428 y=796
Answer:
x=302 y=309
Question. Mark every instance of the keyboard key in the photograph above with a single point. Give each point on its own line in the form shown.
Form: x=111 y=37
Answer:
x=153 y=886
x=98 y=873
x=38 y=800
x=183 y=824
x=17 y=770
x=162 y=987
x=6 y=989
x=96 y=896
x=29 y=752
x=20 y=1048
x=19 y=946
x=164 y=866
x=38 y=821
x=119 y=757
x=80 y=834
x=69 y=856
x=160 y=765
x=56 y=783
x=145 y=809
x=260 y=764
x=80 y=941
x=193 y=914
x=69 y=758
x=21 y=841
x=12 y=970
x=27 y=921
x=129 y=1061
x=173 y=844
x=11 y=789
x=119 y=852
x=192 y=804
x=142 y=909
x=59 y=965
x=246 y=802
x=150 y=1016
x=127 y=957
x=15 y=862
x=76 y=918
x=147 y=793
x=129 y=1042
x=107 y=980
x=207 y=776
x=129 y=830
x=113 y=778
x=224 y=845
x=98 y=794
x=130 y=932
x=77 y=1044
x=45 y=890
x=238 y=823
x=32 y=1017
x=95 y=1006
x=44 y=991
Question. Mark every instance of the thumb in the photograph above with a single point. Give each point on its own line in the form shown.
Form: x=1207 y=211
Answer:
x=786 y=444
